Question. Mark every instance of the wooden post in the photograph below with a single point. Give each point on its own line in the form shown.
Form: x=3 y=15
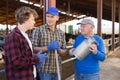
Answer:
x=119 y=24
x=99 y=16
x=113 y=23
x=44 y=12
x=7 y=17
x=52 y=3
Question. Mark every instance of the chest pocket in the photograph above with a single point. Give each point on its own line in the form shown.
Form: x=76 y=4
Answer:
x=60 y=38
x=44 y=38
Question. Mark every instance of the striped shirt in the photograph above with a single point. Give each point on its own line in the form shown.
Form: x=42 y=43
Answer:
x=42 y=36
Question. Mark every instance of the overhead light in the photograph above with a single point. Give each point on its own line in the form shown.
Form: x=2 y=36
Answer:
x=37 y=5
x=31 y=3
x=81 y=16
x=74 y=16
x=59 y=11
x=63 y=13
x=24 y=1
x=70 y=14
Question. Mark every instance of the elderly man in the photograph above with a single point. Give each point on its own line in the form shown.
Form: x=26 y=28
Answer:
x=88 y=68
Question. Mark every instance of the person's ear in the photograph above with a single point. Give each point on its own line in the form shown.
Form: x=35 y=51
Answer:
x=57 y=18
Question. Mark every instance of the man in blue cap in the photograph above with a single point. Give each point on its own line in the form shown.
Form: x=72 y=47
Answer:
x=47 y=38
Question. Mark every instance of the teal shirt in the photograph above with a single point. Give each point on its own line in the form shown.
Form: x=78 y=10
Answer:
x=90 y=64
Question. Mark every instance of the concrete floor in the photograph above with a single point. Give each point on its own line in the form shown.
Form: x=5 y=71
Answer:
x=110 y=68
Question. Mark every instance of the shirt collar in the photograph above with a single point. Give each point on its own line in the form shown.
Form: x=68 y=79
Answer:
x=47 y=26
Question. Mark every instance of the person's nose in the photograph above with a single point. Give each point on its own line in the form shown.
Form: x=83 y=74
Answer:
x=34 y=22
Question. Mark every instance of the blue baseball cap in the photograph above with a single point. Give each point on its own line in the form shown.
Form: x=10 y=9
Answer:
x=87 y=21
x=53 y=10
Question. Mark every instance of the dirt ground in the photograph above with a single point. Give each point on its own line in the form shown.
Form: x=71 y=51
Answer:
x=110 y=68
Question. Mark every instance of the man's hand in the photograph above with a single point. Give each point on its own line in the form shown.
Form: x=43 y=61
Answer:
x=93 y=48
x=71 y=51
x=42 y=57
x=54 y=45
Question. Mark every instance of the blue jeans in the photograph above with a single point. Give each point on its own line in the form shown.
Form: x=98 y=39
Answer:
x=80 y=76
x=48 y=76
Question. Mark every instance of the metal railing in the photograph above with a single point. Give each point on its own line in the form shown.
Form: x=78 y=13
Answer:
x=107 y=42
